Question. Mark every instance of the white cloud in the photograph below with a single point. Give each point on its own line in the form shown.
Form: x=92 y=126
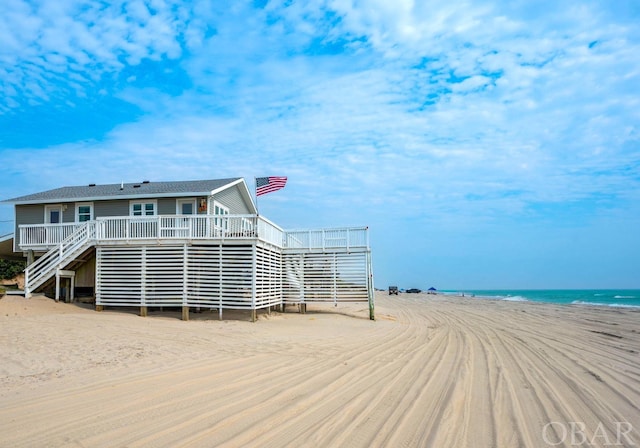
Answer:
x=39 y=41
x=423 y=113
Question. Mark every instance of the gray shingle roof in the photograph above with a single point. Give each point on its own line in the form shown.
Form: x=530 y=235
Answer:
x=128 y=190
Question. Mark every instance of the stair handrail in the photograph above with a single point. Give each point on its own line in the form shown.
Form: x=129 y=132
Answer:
x=58 y=254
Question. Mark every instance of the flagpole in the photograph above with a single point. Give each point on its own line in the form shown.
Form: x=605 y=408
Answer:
x=255 y=192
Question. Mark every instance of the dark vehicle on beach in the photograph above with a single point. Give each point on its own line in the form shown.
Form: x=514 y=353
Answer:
x=393 y=290
x=414 y=290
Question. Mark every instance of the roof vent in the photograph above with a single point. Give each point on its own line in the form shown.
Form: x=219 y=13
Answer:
x=145 y=181
x=92 y=185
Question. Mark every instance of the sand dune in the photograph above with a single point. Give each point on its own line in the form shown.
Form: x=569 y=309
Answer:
x=431 y=371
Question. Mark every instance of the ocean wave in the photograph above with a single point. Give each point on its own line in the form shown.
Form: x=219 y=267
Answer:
x=515 y=299
x=505 y=298
x=624 y=297
x=614 y=305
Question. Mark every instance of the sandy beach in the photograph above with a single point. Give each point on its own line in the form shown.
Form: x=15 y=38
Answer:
x=431 y=371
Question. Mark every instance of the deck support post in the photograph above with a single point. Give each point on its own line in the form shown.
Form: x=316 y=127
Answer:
x=143 y=311
x=27 y=289
x=372 y=314
x=254 y=272
x=57 y=293
x=185 y=313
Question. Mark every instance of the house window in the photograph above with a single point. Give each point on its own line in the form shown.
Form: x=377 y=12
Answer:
x=220 y=223
x=186 y=207
x=84 y=212
x=53 y=214
x=220 y=210
x=146 y=208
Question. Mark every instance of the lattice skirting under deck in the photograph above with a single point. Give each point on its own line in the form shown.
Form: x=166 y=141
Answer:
x=207 y=276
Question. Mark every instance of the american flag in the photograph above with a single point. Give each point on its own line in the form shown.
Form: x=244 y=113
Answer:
x=266 y=185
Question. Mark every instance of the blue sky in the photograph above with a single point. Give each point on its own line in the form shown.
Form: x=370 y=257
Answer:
x=486 y=144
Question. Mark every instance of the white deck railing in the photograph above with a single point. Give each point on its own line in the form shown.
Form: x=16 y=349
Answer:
x=45 y=235
x=170 y=227
x=196 y=227
x=190 y=227
x=340 y=238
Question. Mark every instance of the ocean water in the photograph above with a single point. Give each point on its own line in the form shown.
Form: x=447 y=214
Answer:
x=625 y=298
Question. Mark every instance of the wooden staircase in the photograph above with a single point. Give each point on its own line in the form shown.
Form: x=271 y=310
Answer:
x=60 y=256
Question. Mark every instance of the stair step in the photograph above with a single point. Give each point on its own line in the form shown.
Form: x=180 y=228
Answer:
x=14 y=292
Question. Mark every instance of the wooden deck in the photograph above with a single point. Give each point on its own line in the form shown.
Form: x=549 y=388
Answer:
x=222 y=262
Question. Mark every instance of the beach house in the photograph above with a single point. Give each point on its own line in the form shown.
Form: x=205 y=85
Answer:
x=188 y=244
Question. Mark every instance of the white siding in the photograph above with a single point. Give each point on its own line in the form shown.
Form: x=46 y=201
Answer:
x=325 y=277
x=119 y=275
x=227 y=276
x=215 y=276
x=163 y=275
x=268 y=277
x=232 y=199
